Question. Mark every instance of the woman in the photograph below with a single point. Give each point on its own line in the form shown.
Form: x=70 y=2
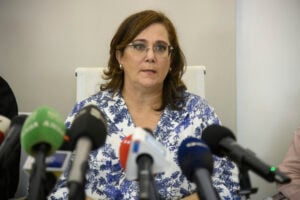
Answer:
x=144 y=89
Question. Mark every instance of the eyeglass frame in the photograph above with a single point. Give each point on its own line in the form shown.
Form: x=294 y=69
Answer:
x=170 y=48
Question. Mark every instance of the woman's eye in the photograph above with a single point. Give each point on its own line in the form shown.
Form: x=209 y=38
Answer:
x=139 y=47
x=160 y=48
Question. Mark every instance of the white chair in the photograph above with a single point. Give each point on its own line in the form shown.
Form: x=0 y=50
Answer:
x=88 y=80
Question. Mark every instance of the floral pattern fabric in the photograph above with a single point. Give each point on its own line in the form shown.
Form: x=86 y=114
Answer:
x=105 y=178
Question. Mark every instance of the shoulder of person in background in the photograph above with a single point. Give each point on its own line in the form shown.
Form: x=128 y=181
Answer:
x=290 y=165
x=9 y=109
x=8 y=103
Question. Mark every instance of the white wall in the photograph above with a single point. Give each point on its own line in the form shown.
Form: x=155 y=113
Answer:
x=268 y=88
x=42 y=42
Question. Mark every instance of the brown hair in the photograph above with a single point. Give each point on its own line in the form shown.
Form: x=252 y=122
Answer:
x=127 y=31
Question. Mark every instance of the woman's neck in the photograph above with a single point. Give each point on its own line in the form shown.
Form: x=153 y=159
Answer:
x=143 y=108
x=142 y=99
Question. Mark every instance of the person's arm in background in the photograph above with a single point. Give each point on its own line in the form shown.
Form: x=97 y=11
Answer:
x=291 y=166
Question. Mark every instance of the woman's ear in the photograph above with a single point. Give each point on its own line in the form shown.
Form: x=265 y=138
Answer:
x=119 y=56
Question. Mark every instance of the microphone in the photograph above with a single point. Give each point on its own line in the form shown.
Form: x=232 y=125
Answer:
x=10 y=152
x=4 y=125
x=196 y=163
x=222 y=142
x=141 y=156
x=12 y=139
x=88 y=132
x=56 y=164
x=42 y=134
x=142 y=142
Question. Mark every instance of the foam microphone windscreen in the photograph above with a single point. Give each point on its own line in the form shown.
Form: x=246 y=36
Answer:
x=90 y=123
x=213 y=134
x=194 y=154
x=44 y=125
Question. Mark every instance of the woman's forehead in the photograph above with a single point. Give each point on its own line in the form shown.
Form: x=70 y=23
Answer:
x=154 y=32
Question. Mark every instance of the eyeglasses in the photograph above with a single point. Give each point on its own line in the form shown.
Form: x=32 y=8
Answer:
x=161 y=49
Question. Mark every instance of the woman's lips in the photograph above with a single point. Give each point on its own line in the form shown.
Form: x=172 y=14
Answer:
x=148 y=71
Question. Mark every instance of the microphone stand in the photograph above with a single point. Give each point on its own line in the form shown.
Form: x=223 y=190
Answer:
x=38 y=174
x=76 y=191
x=245 y=184
x=76 y=177
x=205 y=190
x=146 y=180
x=50 y=183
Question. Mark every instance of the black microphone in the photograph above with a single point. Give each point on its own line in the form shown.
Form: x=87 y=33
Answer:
x=10 y=152
x=88 y=132
x=196 y=163
x=12 y=139
x=222 y=142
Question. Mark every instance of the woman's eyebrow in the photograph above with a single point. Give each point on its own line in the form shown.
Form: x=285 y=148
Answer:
x=140 y=40
x=145 y=41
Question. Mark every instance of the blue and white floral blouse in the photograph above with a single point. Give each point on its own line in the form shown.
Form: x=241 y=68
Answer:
x=105 y=178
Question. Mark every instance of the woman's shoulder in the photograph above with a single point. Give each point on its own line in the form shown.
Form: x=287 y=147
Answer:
x=191 y=98
x=189 y=94
x=197 y=106
x=101 y=99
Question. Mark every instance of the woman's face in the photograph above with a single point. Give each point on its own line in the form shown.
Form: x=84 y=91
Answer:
x=146 y=60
